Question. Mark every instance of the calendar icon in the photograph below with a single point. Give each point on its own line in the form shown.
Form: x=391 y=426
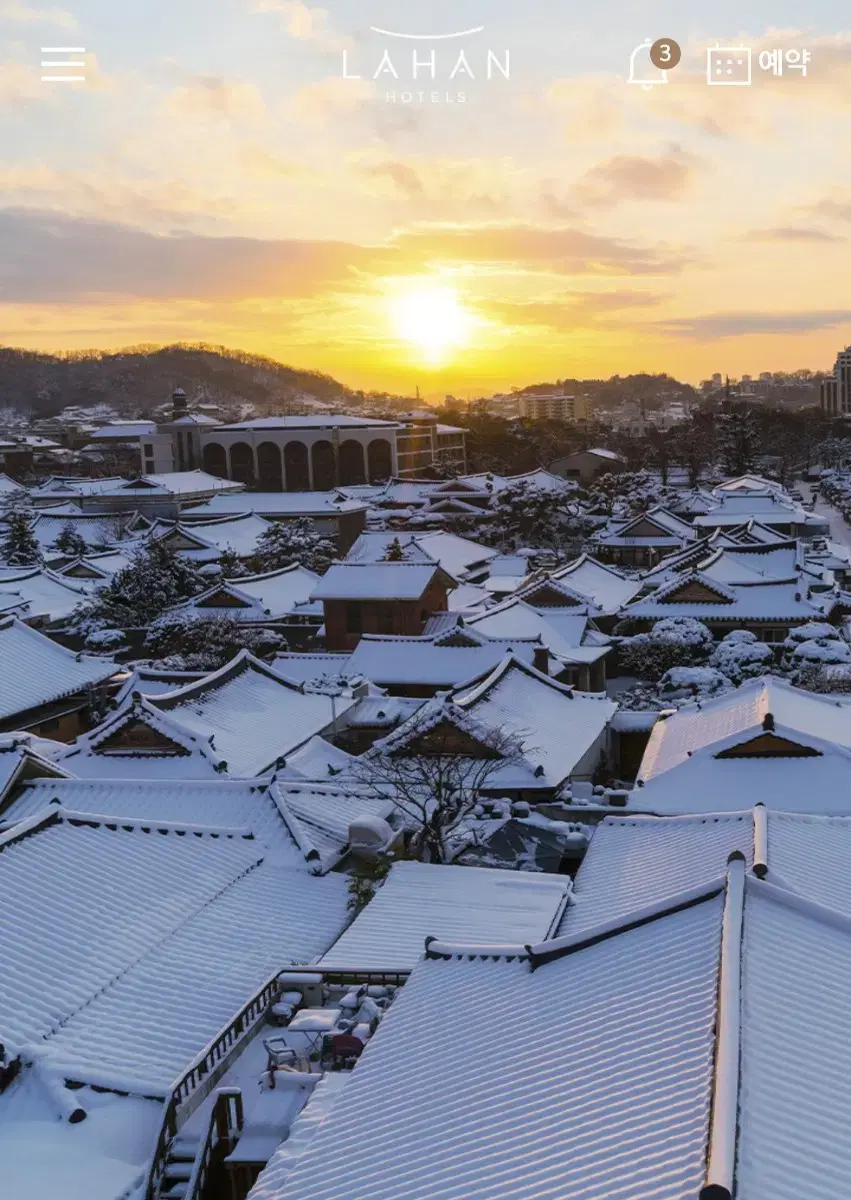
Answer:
x=728 y=66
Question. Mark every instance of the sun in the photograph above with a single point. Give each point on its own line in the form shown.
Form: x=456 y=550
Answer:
x=433 y=319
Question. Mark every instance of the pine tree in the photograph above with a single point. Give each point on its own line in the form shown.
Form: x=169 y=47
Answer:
x=154 y=581
x=287 y=542
x=70 y=542
x=18 y=547
x=394 y=552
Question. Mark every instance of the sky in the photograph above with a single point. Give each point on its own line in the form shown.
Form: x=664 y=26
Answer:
x=222 y=176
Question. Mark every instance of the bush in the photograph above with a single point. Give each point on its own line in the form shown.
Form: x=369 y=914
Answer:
x=672 y=642
x=740 y=656
x=178 y=642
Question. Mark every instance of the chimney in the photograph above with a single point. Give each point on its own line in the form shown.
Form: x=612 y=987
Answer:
x=178 y=404
x=541 y=659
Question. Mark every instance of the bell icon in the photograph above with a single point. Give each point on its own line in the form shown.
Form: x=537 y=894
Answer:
x=641 y=69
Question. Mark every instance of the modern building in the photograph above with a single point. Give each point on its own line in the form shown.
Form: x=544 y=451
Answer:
x=553 y=407
x=836 y=389
x=422 y=441
x=585 y=465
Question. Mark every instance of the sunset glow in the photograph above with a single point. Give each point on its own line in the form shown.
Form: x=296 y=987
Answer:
x=433 y=320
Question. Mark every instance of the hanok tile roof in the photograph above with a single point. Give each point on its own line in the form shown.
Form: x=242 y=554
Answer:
x=253 y=715
x=267 y=597
x=558 y=726
x=378 y=581
x=481 y=905
x=604 y=586
x=596 y=1083
x=34 y=592
x=763 y=601
x=34 y=670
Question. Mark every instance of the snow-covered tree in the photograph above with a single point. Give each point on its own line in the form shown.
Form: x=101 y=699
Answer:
x=740 y=655
x=18 y=545
x=437 y=791
x=394 y=552
x=298 y=541
x=155 y=580
x=179 y=642
x=527 y=515
x=70 y=542
x=627 y=493
x=672 y=642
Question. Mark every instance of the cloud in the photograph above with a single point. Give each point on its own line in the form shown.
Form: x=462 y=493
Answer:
x=25 y=15
x=790 y=233
x=403 y=176
x=20 y=84
x=740 y=324
x=212 y=97
x=330 y=98
x=570 y=310
x=834 y=208
x=303 y=23
x=47 y=257
x=635 y=177
x=560 y=249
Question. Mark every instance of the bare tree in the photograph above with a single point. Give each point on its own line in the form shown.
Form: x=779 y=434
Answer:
x=435 y=767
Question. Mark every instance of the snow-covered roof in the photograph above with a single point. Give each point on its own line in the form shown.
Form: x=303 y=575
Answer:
x=760 y=705
x=378 y=581
x=96 y=530
x=455 y=554
x=35 y=670
x=208 y=539
x=106 y=563
x=34 y=592
x=186 y=929
x=274 y=504
x=8 y=486
x=453 y=903
x=655 y=1054
x=754 y=564
x=58 y=485
x=557 y=725
x=148 y=681
x=371 y=546
x=20 y=758
x=560 y=630
x=270 y=596
x=311 y=668
x=180 y=483
x=250 y=713
x=319 y=815
x=637 y=861
x=395 y=661
x=605 y=586
x=596 y=1083
x=761 y=601
x=312 y=421
x=118 y=430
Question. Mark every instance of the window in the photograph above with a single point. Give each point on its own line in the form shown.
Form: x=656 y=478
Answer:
x=148 y=449
x=354 y=618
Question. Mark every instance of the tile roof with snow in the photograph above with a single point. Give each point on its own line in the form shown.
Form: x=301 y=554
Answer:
x=560 y=728
x=96 y=530
x=187 y=922
x=457 y=555
x=273 y=504
x=267 y=597
x=690 y=1047
x=378 y=581
x=58 y=485
x=250 y=714
x=595 y=1083
x=179 y=483
x=738 y=716
x=399 y=661
x=564 y=632
x=33 y=592
x=770 y=600
x=34 y=670
x=484 y=905
x=204 y=541
x=605 y=586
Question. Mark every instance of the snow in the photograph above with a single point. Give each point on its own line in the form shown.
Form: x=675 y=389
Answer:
x=517 y=1112
x=475 y=905
x=376 y=581
x=37 y=671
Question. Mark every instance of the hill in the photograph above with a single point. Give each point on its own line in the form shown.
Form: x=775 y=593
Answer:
x=136 y=379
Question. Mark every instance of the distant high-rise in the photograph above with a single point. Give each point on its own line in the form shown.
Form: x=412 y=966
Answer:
x=836 y=389
x=536 y=406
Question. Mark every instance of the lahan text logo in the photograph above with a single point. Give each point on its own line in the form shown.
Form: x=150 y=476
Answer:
x=428 y=68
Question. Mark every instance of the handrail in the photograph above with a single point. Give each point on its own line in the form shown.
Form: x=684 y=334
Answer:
x=202 y=1065
x=225 y=1125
